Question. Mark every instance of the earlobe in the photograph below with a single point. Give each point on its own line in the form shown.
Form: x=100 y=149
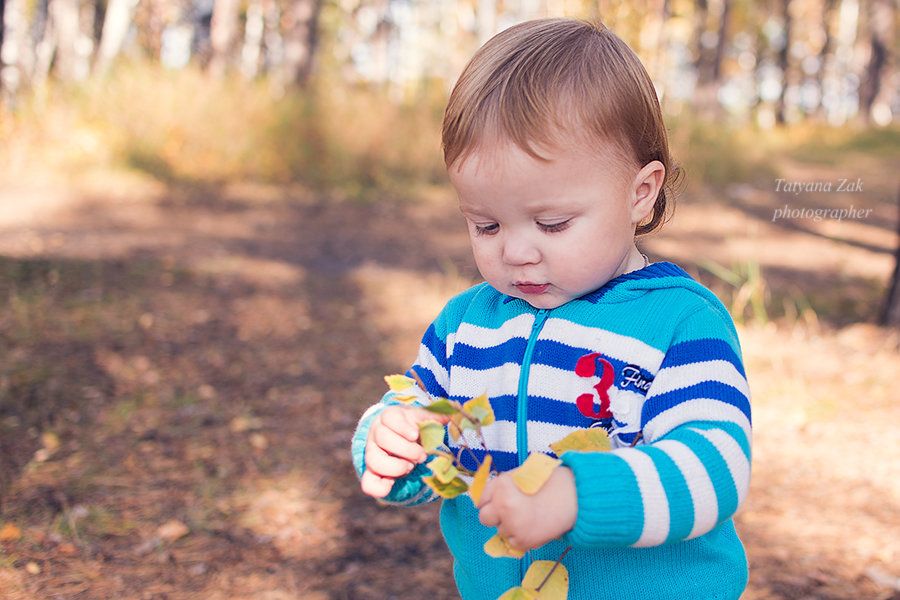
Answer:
x=646 y=187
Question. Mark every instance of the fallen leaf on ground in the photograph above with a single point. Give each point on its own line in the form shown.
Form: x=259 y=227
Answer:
x=10 y=533
x=172 y=530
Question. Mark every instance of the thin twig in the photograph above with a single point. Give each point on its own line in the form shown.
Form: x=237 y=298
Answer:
x=550 y=574
x=421 y=383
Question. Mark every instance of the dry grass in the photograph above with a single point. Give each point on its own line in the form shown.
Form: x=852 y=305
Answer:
x=195 y=344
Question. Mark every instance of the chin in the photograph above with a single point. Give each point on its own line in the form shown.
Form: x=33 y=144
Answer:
x=544 y=303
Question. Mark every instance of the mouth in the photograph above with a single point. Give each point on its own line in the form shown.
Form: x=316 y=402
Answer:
x=532 y=288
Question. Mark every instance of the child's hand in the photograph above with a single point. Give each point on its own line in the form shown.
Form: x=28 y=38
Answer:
x=530 y=521
x=393 y=448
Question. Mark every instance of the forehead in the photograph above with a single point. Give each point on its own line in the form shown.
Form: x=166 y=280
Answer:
x=494 y=180
x=496 y=156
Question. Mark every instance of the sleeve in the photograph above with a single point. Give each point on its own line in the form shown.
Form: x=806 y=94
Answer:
x=692 y=469
x=432 y=367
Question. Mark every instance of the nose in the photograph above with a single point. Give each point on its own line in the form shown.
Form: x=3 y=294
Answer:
x=519 y=249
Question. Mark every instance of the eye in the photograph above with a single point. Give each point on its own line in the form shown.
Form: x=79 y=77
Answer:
x=489 y=229
x=554 y=227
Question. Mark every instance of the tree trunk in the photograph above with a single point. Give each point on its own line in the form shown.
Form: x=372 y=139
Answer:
x=825 y=71
x=11 y=50
x=116 y=24
x=710 y=51
x=253 y=38
x=223 y=35
x=66 y=17
x=890 y=313
x=881 y=26
x=301 y=41
x=784 y=64
x=2 y=20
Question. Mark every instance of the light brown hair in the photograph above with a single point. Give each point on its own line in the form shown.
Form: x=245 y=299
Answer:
x=549 y=82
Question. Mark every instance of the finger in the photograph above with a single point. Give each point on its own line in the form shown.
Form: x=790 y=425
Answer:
x=489 y=517
x=515 y=542
x=375 y=486
x=487 y=493
x=402 y=420
x=395 y=444
x=384 y=464
x=488 y=512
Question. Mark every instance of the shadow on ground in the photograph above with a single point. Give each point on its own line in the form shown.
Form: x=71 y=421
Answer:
x=201 y=356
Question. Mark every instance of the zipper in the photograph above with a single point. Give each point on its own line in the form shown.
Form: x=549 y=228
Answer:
x=522 y=402
x=522 y=407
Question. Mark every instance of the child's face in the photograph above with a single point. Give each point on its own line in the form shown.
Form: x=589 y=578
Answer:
x=550 y=231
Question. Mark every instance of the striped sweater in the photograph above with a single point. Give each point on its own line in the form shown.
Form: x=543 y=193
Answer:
x=653 y=358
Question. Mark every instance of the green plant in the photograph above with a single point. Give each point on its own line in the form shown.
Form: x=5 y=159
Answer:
x=750 y=289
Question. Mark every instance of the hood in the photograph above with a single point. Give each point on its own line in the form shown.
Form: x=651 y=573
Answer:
x=628 y=286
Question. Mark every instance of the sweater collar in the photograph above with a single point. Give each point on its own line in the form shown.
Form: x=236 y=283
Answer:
x=656 y=275
x=643 y=279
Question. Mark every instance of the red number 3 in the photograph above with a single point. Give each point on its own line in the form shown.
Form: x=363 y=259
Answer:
x=587 y=367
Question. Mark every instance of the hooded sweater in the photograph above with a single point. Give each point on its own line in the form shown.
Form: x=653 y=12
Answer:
x=653 y=358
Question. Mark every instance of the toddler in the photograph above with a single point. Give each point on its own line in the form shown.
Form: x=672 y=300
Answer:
x=554 y=141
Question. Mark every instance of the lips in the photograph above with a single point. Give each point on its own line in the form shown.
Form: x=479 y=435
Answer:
x=532 y=288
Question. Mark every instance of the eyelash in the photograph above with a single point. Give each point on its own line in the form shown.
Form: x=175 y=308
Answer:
x=554 y=227
x=545 y=227
x=486 y=229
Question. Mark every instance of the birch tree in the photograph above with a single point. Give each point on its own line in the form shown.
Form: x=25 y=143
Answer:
x=223 y=35
x=881 y=32
x=301 y=40
x=14 y=42
x=116 y=23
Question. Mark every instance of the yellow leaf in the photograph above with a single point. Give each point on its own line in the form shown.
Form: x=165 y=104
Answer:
x=443 y=469
x=480 y=408
x=454 y=430
x=405 y=398
x=459 y=423
x=498 y=547
x=531 y=475
x=447 y=490
x=554 y=588
x=481 y=476
x=398 y=383
x=519 y=593
x=10 y=533
x=431 y=434
x=585 y=440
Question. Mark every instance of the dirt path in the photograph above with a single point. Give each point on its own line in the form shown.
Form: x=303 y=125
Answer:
x=184 y=367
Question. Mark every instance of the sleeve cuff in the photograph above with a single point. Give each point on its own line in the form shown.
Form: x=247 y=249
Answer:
x=610 y=510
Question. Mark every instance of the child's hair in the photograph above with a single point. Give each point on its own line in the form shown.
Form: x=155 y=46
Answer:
x=551 y=82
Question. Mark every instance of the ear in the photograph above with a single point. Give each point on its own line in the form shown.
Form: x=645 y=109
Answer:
x=645 y=188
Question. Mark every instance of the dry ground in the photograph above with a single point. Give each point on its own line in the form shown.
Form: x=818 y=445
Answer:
x=183 y=367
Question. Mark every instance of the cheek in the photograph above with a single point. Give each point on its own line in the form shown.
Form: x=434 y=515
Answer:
x=485 y=255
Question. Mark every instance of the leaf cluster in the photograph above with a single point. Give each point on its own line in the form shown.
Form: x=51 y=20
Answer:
x=544 y=580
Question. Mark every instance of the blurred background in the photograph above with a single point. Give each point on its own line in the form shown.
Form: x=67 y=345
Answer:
x=223 y=221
